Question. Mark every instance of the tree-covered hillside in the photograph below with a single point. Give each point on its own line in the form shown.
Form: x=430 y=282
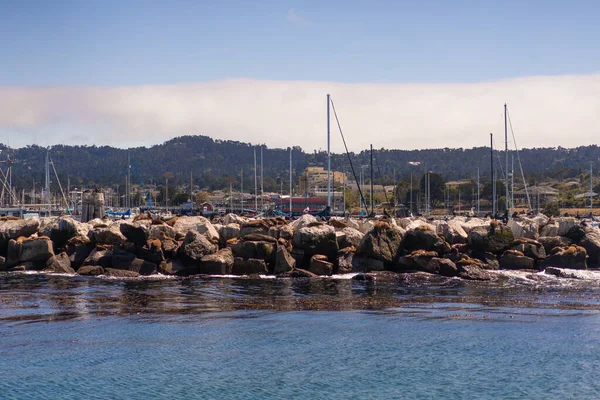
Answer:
x=215 y=163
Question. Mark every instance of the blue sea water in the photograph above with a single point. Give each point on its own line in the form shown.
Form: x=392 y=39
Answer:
x=81 y=338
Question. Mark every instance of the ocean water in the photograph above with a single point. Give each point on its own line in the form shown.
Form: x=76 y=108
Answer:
x=419 y=337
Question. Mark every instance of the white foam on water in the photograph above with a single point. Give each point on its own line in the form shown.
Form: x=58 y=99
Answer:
x=342 y=276
x=576 y=274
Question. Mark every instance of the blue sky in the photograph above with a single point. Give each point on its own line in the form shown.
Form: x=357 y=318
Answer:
x=403 y=74
x=157 y=42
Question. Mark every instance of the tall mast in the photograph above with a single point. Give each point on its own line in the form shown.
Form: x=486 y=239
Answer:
x=242 y=191
x=493 y=183
x=478 y=190
x=512 y=182
x=344 y=186
x=255 y=185
x=128 y=196
x=372 y=211
x=591 y=198
x=411 y=197
x=506 y=156
x=328 y=157
x=47 y=183
x=262 y=187
x=290 y=182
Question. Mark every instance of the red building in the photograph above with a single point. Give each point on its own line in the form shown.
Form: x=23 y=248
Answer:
x=301 y=204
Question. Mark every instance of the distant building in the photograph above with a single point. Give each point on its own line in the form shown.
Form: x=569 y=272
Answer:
x=301 y=204
x=545 y=194
x=314 y=179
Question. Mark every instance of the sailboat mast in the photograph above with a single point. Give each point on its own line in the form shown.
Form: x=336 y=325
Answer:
x=591 y=198
x=262 y=178
x=372 y=211
x=512 y=183
x=493 y=183
x=478 y=191
x=290 y=182
x=328 y=157
x=506 y=156
x=255 y=185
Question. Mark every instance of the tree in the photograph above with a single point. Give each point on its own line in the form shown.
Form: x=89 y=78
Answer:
x=202 y=197
x=436 y=185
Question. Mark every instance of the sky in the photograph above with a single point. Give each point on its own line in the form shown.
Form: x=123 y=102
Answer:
x=402 y=74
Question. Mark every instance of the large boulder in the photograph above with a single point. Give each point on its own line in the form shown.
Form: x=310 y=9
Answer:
x=304 y=220
x=576 y=233
x=530 y=248
x=151 y=251
x=452 y=231
x=62 y=229
x=219 y=263
x=549 y=230
x=573 y=257
x=102 y=234
x=494 y=239
x=550 y=242
x=98 y=257
x=365 y=226
x=284 y=262
x=234 y=219
x=161 y=232
x=36 y=249
x=15 y=228
x=229 y=231
x=317 y=239
x=13 y=253
x=489 y=260
x=523 y=228
x=366 y=264
x=78 y=248
x=419 y=223
x=571 y=273
x=565 y=224
x=381 y=243
x=351 y=222
x=320 y=266
x=349 y=237
x=513 y=259
x=423 y=238
x=418 y=260
x=344 y=261
x=90 y=270
x=468 y=224
x=120 y=273
x=185 y=224
x=250 y=266
x=136 y=232
x=254 y=249
x=257 y=226
x=443 y=266
x=59 y=264
x=474 y=272
x=194 y=247
x=591 y=243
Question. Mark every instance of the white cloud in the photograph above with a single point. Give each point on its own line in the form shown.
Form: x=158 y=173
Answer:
x=545 y=111
x=294 y=18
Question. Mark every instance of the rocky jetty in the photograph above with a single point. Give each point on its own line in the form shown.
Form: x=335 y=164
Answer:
x=468 y=248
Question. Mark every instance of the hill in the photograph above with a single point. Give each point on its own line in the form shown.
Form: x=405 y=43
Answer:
x=215 y=163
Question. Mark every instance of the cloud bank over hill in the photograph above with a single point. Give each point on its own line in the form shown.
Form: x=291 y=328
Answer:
x=545 y=111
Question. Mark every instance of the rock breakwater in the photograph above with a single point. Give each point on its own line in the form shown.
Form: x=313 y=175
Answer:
x=463 y=247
